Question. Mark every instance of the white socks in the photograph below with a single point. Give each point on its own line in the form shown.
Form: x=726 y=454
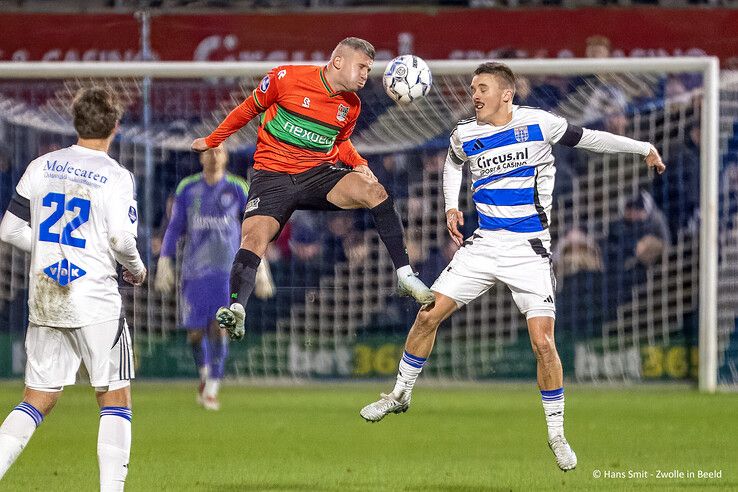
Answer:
x=114 y=447
x=15 y=433
x=553 y=407
x=407 y=374
x=211 y=388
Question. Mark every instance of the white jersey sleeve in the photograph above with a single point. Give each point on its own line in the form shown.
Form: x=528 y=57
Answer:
x=122 y=210
x=555 y=126
x=605 y=142
x=453 y=172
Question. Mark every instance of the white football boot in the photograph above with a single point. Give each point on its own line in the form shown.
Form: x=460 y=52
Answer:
x=211 y=403
x=565 y=457
x=408 y=284
x=374 y=412
x=233 y=320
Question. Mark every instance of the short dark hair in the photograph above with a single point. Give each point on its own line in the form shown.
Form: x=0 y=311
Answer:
x=499 y=70
x=359 y=44
x=96 y=111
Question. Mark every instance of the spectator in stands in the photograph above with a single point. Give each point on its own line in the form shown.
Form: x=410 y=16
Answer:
x=340 y=225
x=433 y=161
x=615 y=120
x=436 y=261
x=303 y=270
x=635 y=242
x=579 y=273
x=391 y=171
x=603 y=95
x=597 y=46
x=678 y=195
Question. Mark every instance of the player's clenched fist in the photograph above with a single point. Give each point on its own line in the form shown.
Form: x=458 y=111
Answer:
x=454 y=219
x=199 y=145
x=133 y=278
x=653 y=159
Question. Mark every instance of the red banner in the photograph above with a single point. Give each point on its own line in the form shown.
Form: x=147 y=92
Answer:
x=441 y=34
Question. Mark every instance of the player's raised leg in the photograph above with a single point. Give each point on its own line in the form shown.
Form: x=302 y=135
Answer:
x=21 y=423
x=362 y=190
x=418 y=347
x=551 y=384
x=256 y=233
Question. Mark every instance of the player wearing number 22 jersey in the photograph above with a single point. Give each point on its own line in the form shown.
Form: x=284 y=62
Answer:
x=74 y=210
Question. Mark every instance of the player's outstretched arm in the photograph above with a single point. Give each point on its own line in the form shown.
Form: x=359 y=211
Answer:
x=606 y=142
x=236 y=119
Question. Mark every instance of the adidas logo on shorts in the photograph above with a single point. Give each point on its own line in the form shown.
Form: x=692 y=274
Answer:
x=549 y=299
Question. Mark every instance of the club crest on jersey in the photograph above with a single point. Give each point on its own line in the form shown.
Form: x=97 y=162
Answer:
x=132 y=214
x=342 y=112
x=226 y=200
x=64 y=272
x=264 y=85
x=521 y=134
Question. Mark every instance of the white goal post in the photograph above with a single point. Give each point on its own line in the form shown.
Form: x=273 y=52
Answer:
x=707 y=66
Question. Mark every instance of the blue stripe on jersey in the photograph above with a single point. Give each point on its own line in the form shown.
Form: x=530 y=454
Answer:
x=529 y=133
x=531 y=223
x=521 y=172
x=523 y=196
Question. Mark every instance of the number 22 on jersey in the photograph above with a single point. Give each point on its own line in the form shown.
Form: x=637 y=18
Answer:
x=61 y=203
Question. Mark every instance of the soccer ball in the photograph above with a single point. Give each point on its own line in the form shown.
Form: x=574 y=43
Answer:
x=407 y=78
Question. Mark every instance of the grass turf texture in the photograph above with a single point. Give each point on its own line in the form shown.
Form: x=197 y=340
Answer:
x=487 y=437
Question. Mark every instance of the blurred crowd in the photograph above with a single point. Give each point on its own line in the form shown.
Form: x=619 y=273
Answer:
x=597 y=270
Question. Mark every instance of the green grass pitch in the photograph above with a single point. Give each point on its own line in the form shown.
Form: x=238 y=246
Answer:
x=456 y=438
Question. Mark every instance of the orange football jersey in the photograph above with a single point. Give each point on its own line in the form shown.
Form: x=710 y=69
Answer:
x=304 y=122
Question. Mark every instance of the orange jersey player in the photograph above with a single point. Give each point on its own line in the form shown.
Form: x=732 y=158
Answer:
x=307 y=116
x=305 y=122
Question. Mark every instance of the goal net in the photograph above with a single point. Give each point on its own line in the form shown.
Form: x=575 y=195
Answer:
x=636 y=300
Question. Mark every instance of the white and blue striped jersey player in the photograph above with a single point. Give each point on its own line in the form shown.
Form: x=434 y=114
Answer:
x=512 y=169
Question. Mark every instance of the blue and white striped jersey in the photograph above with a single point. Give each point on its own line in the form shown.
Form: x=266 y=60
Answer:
x=512 y=168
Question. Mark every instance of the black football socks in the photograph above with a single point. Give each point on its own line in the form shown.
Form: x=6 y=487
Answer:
x=243 y=276
x=389 y=226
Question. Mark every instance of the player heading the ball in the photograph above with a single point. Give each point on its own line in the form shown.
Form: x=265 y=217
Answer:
x=304 y=160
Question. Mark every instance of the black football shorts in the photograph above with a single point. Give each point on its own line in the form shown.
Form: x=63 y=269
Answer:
x=279 y=194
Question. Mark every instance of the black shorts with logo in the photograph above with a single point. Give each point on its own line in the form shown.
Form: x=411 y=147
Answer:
x=279 y=194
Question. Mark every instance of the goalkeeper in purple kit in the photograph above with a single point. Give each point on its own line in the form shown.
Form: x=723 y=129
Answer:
x=207 y=217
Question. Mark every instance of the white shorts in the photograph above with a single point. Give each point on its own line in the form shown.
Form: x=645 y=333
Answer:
x=55 y=355
x=522 y=262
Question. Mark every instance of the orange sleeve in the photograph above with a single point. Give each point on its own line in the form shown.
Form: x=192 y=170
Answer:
x=260 y=99
x=348 y=154
x=236 y=119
